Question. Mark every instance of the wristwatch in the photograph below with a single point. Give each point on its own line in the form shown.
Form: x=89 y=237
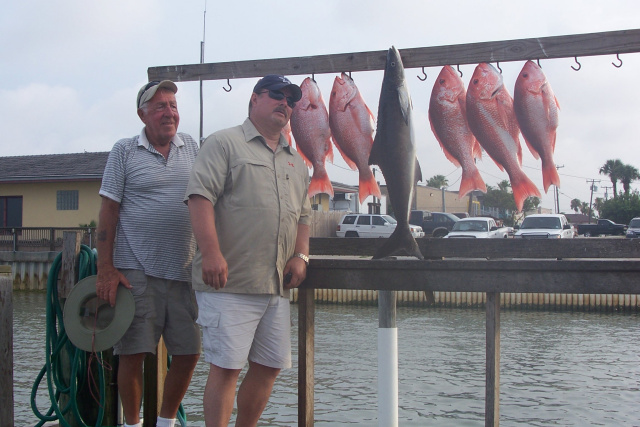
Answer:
x=303 y=257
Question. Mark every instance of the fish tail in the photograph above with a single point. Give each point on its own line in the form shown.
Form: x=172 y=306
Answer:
x=471 y=180
x=550 y=176
x=320 y=183
x=368 y=186
x=523 y=188
x=400 y=242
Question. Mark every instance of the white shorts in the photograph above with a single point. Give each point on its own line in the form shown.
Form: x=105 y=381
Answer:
x=241 y=327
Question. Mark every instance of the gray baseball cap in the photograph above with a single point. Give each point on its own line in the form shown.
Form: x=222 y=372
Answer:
x=147 y=91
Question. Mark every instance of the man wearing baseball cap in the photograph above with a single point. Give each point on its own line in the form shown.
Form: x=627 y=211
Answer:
x=146 y=244
x=250 y=215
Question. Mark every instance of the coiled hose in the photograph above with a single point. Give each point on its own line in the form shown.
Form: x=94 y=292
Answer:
x=61 y=355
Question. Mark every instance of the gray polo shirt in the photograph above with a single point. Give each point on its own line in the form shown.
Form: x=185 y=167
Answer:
x=259 y=198
x=154 y=230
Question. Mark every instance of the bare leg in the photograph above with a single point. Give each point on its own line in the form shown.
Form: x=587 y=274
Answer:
x=254 y=393
x=219 y=394
x=176 y=383
x=130 y=385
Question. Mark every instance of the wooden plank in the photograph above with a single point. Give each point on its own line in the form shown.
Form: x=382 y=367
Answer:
x=489 y=248
x=6 y=346
x=69 y=268
x=492 y=373
x=602 y=276
x=568 y=46
x=306 y=349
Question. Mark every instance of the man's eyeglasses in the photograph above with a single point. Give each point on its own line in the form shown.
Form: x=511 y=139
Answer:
x=146 y=88
x=279 y=96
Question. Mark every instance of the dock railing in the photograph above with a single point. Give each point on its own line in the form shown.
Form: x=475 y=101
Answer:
x=600 y=266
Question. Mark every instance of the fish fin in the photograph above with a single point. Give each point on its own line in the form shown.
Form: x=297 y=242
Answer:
x=533 y=150
x=400 y=242
x=346 y=158
x=418 y=172
x=304 y=156
x=522 y=188
x=330 y=150
x=368 y=186
x=405 y=102
x=471 y=180
x=444 y=150
x=375 y=155
x=477 y=149
x=320 y=183
x=550 y=176
x=431 y=299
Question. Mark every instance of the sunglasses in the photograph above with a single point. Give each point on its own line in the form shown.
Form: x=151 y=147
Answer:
x=146 y=88
x=279 y=96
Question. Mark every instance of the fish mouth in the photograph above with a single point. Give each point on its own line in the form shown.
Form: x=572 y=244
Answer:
x=495 y=92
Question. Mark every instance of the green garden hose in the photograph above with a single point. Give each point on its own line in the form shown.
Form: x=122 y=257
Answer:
x=61 y=355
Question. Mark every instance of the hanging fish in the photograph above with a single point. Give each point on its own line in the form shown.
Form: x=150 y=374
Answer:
x=492 y=120
x=310 y=128
x=394 y=150
x=352 y=127
x=536 y=109
x=448 y=118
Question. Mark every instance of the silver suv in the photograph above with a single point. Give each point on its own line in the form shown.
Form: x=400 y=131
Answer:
x=371 y=225
x=633 y=231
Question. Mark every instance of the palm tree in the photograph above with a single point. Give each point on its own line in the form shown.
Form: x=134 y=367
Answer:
x=612 y=168
x=575 y=205
x=504 y=185
x=627 y=174
x=438 y=181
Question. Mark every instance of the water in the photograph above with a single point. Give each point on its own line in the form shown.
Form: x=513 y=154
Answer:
x=557 y=369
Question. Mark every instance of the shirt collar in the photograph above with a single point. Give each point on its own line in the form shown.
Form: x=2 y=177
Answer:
x=250 y=132
x=143 y=141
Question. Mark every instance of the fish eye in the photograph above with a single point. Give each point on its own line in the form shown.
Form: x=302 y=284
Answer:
x=393 y=64
x=525 y=75
x=475 y=81
x=441 y=81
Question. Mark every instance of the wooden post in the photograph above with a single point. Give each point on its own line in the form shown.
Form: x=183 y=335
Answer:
x=155 y=371
x=306 y=332
x=387 y=360
x=6 y=346
x=492 y=387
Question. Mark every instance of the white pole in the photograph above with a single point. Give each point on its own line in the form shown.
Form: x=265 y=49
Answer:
x=387 y=360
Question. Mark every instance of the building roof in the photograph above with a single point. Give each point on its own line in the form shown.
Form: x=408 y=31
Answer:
x=53 y=167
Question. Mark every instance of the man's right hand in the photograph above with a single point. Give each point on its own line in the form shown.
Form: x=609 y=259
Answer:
x=214 y=270
x=107 y=283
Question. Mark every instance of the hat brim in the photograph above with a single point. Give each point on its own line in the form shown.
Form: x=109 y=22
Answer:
x=93 y=339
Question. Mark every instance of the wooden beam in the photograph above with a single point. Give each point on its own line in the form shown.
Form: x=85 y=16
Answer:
x=6 y=346
x=492 y=373
x=306 y=350
x=568 y=46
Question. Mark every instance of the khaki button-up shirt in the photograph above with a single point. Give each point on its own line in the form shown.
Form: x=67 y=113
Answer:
x=259 y=199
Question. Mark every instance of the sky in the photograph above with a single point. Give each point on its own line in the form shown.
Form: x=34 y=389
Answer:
x=72 y=69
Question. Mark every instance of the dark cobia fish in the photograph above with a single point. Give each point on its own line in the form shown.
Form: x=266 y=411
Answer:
x=394 y=151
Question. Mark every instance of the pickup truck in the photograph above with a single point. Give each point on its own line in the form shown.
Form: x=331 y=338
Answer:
x=435 y=224
x=477 y=228
x=545 y=226
x=602 y=227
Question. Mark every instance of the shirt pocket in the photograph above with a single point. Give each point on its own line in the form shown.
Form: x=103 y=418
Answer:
x=252 y=183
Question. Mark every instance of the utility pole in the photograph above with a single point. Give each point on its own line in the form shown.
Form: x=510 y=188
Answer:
x=593 y=188
x=557 y=195
x=606 y=192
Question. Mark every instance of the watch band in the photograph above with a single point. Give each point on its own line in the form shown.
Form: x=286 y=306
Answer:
x=302 y=256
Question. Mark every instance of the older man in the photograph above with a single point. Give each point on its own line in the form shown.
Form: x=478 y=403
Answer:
x=250 y=214
x=145 y=243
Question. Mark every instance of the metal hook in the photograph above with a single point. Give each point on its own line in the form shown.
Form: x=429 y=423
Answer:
x=225 y=89
x=458 y=68
x=424 y=74
x=498 y=65
x=538 y=61
x=616 y=65
x=579 y=65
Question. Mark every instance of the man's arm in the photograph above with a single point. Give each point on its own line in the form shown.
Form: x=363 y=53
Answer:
x=296 y=266
x=214 y=267
x=108 y=276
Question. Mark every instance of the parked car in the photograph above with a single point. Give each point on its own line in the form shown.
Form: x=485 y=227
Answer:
x=477 y=228
x=461 y=214
x=371 y=225
x=545 y=226
x=436 y=224
x=633 y=230
x=602 y=227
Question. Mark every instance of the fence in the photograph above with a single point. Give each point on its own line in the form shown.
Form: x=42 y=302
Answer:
x=38 y=239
